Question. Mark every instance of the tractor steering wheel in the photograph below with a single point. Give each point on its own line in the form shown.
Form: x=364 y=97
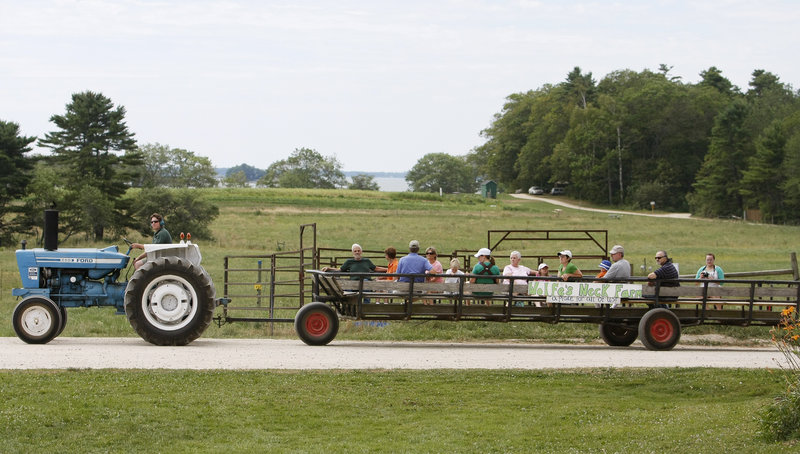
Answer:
x=130 y=245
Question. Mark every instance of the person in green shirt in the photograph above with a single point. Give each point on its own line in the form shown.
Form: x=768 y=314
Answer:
x=485 y=267
x=357 y=264
x=160 y=236
x=567 y=269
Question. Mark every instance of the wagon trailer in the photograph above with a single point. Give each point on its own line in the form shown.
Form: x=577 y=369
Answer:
x=624 y=311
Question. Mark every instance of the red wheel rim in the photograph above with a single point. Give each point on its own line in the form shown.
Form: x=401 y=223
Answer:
x=317 y=324
x=661 y=330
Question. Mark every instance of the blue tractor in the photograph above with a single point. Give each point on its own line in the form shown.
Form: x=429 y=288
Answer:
x=169 y=300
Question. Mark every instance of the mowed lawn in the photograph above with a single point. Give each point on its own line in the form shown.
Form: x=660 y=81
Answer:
x=474 y=411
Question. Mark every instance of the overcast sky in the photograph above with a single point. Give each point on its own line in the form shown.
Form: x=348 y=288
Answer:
x=376 y=84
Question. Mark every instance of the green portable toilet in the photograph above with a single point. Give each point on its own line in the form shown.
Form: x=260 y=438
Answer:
x=489 y=189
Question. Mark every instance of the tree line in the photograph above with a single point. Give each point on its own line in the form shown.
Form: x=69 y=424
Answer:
x=627 y=140
x=636 y=137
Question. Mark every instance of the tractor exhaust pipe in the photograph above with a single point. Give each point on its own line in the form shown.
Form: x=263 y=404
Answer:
x=51 y=230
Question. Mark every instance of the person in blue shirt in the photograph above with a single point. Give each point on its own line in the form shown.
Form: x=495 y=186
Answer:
x=413 y=263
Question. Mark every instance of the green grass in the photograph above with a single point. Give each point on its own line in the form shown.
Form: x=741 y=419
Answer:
x=608 y=410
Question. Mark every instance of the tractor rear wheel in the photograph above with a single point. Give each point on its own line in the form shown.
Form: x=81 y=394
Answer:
x=659 y=329
x=170 y=301
x=316 y=324
x=617 y=336
x=37 y=320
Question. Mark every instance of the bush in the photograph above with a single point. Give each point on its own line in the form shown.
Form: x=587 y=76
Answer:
x=780 y=421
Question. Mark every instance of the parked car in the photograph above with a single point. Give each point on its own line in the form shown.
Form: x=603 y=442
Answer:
x=557 y=191
x=535 y=190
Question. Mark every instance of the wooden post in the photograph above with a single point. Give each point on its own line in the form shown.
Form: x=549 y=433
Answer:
x=793 y=258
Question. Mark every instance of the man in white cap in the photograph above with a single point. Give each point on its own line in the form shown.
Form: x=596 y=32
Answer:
x=621 y=268
x=567 y=269
x=413 y=263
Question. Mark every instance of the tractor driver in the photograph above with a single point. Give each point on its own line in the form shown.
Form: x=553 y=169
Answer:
x=160 y=236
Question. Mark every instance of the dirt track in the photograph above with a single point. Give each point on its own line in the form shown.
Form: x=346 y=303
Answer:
x=553 y=201
x=124 y=353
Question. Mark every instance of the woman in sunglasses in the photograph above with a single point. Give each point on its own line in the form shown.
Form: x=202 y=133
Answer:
x=160 y=236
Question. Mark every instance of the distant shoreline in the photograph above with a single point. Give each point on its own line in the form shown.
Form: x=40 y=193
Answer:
x=221 y=171
x=388 y=181
x=350 y=173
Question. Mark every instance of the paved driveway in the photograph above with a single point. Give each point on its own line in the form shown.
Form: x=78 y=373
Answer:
x=101 y=353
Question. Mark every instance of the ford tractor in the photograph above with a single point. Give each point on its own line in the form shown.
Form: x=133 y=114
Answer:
x=169 y=300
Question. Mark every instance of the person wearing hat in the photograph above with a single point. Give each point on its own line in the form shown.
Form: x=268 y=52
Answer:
x=413 y=263
x=567 y=269
x=543 y=270
x=604 y=266
x=621 y=268
x=484 y=267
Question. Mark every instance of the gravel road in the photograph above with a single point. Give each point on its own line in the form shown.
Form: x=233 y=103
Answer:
x=127 y=353
x=553 y=201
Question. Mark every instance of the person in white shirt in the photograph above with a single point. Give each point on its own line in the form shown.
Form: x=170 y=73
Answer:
x=516 y=269
x=453 y=271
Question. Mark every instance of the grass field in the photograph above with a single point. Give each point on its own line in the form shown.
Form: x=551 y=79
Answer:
x=673 y=410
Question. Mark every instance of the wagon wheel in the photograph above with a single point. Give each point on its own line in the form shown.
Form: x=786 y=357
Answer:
x=617 y=336
x=37 y=320
x=316 y=324
x=659 y=329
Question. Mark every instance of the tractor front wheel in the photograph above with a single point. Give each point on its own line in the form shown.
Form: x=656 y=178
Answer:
x=37 y=320
x=170 y=301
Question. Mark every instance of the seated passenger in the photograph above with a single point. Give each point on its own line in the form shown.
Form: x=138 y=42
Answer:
x=516 y=269
x=413 y=263
x=391 y=257
x=436 y=266
x=667 y=273
x=543 y=270
x=357 y=264
x=711 y=271
x=453 y=271
x=567 y=269
x=485 y=267
x=621 y=268
x=604 y=266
